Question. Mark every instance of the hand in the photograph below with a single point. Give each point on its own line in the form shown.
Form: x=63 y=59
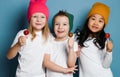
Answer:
x=70 y=70
x=70 y=43
x=109 y=46
x=22 y=40
x=78 y=52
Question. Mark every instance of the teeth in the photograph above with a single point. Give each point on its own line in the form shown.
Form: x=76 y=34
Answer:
x=38 y=24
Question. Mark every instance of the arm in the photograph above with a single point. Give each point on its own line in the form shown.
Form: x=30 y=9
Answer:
x=14 y=50
x=107 y=59
x=54 y=67
x=71 y=54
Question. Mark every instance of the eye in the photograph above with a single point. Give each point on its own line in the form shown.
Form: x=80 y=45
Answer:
x=101 y=21
x=64 y=24
x=34 y=16
x=42 y=16
x=93 y=18
x=56 y=24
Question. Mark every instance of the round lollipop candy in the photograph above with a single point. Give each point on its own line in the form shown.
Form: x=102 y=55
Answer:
x=107 y=35
x=26 y=32
x=70 y=34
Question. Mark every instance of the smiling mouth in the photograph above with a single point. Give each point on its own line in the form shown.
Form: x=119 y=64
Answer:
x=37 y=23
x=94 y=27
x=60 y=31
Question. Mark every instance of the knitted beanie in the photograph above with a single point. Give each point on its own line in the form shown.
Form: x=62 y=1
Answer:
x=71 y=18
x=37 y=6
x=102 y=9
x=64 y=13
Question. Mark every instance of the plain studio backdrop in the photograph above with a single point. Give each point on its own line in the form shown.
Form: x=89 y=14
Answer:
x=13 y=19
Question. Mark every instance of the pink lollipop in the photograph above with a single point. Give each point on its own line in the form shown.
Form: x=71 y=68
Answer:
x=26 y=32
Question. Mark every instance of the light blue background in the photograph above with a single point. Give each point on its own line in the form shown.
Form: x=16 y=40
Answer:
x=13 y=18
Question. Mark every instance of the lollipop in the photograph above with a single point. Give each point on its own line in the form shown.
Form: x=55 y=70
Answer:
x=70 y=34
x=107 y=35
x=26 y=32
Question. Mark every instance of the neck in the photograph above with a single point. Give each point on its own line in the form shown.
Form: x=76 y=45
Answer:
x=61 y=38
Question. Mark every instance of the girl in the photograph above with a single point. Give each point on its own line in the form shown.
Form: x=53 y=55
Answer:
x=63 y=46
x=96 y=50
x=32 y=47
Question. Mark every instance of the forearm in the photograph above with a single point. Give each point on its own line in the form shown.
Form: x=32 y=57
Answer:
x=71 y=58
x=13 y=51
x=52 y=66
x=107 y=60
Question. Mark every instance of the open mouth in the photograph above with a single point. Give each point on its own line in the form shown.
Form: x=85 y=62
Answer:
x=60 y=31
x=94 y=27
x=38 y=23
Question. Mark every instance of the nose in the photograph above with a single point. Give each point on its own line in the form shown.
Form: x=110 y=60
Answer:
x=38 y=19
x=60 y=26
x=96 y=22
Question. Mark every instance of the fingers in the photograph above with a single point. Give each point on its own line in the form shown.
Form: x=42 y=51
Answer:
x=70 y=42
x=73 y=69
x=22 y=40
x=109 y=46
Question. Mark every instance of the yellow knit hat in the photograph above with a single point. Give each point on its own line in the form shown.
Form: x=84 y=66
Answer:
x=102 y=9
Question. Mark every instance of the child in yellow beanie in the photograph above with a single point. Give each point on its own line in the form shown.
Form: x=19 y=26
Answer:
x=96 y=51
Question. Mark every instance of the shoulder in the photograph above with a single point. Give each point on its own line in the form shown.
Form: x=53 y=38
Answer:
x=51 y=37
x=21 y=32
x=74 y=37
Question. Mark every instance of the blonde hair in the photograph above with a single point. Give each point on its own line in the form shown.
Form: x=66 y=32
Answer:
x=45 y=32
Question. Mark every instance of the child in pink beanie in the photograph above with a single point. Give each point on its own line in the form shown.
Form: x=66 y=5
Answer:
x=33 y=46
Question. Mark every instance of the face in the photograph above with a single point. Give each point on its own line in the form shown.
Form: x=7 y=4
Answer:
x=96 y=23
x=61 y=27
x=38 y=21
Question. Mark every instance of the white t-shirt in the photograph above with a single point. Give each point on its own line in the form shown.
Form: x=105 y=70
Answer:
x=94 y=62
x=31 y=56
x=59 y=56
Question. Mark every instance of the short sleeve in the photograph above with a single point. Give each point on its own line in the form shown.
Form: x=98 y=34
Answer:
x=75 y=46
x=48 y=48
x=20 y=33
x=75 y=43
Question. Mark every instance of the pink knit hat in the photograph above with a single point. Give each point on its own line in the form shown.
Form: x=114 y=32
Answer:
x=37 y=6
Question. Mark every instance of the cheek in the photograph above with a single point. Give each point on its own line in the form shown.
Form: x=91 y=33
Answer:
x=55 y=29
x=101 y=26
x=45 y=21
x=67 y=30
x=89 y=25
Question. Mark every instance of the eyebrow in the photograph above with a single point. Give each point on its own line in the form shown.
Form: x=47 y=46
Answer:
x=95 y=17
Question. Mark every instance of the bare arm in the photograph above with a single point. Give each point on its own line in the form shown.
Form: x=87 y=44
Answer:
x=71 y=58
x=54 y=67
x=13 y=51
x=71 y=54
